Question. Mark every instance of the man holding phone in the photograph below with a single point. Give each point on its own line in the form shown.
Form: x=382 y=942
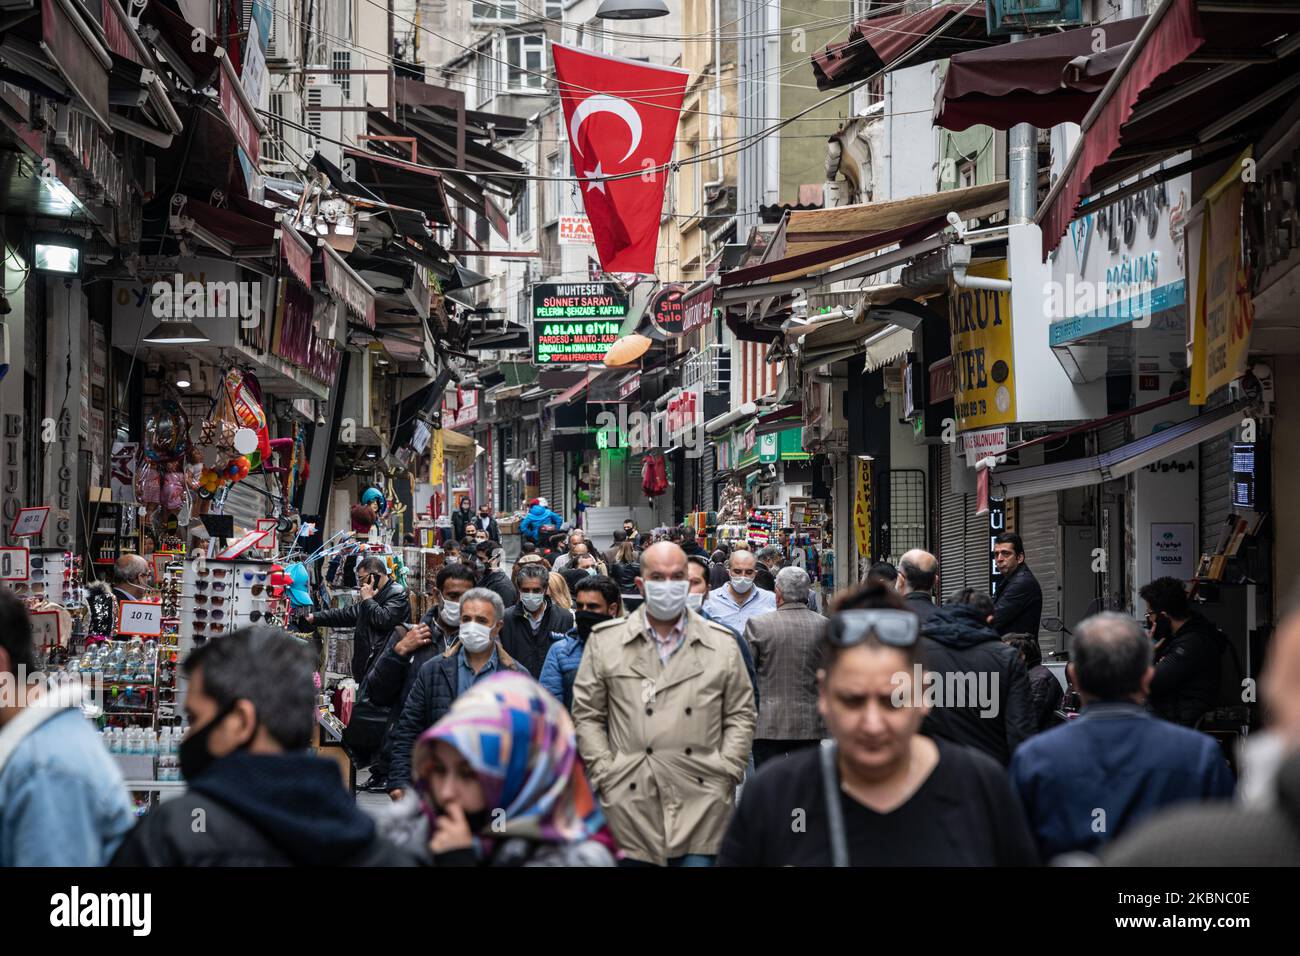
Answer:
x=381 y=605
x=1187 y=654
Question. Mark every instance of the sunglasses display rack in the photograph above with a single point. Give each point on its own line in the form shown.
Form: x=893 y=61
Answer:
x=217 y=597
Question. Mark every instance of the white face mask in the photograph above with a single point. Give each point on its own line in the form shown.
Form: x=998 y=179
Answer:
x=695 y=601
x=665 y=600
x=741 y=585
x=450 y=613
x=475 y=636
x=531 y=602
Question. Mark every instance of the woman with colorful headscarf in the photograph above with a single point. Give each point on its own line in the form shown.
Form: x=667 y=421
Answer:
x=502 y=783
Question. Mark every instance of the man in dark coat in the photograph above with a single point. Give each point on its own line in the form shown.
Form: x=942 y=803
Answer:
x=444 y=678
x=1045 y=690
x=462 y=519
x=485 y=522
x=381 y=605
x=983 y=690
x=1187 y=654
x=494 y=579
x=916 y=573
x=769 y=562
x=263 y=799
x=392 y=675
x=527 y=632
x=1018 y=606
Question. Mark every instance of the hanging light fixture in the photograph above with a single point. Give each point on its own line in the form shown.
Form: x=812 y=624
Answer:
x=175 y=332
x=632 y=9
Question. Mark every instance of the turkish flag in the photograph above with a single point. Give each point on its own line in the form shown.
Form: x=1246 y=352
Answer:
x=621 y=116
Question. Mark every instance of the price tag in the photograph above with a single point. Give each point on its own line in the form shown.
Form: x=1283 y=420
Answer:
x=14 y=564
x=269 y=526
x=29 y=522
x=46 y=629
x=140 y=618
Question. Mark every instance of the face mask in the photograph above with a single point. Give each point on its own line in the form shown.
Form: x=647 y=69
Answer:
x=665 y=600
x=532 y=602
x=742 y=585
x=591 y=572
x=193 y=751
x=586 y=620
x=475 y=636
x=695 y=601
x=450 y=613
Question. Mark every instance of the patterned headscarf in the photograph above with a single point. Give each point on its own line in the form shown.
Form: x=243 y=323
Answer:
x=521 y=742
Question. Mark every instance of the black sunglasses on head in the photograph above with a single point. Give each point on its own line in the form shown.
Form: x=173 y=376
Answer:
x=891 y=627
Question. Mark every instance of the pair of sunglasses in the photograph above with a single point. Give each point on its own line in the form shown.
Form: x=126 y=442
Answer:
x=893 y=628
x=251 y=575
x=201 y=626
x=215 y=572
x=216 y=585
x=203 y=599
x=202 y=613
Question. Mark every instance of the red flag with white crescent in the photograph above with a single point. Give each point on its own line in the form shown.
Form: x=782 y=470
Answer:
x=621 y=116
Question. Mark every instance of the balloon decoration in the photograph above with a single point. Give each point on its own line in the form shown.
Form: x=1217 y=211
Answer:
x=160 y=483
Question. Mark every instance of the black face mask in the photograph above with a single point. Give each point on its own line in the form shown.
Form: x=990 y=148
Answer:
x=586 y=620
x=1164 y=628
x=194 y=755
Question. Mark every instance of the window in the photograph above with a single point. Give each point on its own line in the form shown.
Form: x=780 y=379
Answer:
x=524 y=211
x=966 y=173
x=554 y=187
x=484 y=70
x=526 y=57
x=503 y=11
x=555 y=9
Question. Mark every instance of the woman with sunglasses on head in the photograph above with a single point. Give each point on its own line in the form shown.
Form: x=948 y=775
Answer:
x=877 y=793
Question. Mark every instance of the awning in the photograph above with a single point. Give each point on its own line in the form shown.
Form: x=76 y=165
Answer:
x=229 y=232
x=570 y=393
x=1044 y=81
x=350 y=288
x=823 y=237
x=904 y=39
x=1199 y=75
x=1096 y=469
x=791 y=416
x=460 y=449
x=407 y=184
x=886 y=346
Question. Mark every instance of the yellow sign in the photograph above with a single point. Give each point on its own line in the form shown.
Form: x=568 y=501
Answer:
x=984 y=380
x=862 y=508
x=435 y=458
x=1224 y=309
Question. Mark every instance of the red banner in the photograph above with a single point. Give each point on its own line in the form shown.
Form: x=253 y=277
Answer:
x=621 y=116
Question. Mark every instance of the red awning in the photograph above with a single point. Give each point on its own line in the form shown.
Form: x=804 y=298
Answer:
x=226 y=230
x=1200 y=74
x=780 y=420
x=904 y=39
x=1043 y=81
x=570 y=393
x=402 y=183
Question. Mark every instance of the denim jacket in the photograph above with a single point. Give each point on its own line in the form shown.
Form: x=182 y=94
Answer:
x=62 y=798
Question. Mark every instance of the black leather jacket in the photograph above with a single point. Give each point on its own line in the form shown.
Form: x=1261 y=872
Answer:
x=1186 y=683
x=1018 y=607
x=372 y=623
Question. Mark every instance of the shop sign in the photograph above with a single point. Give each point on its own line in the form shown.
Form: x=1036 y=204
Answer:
x=75 y=59
x=697 y=309
x=92 y=156
x=1172 y=550
x=578 y=323
x=941 y=381
x=629 y=385
x=685 y=411
x=984 y=376
x=12 y=465
x=862 y=507
x=296 y=254
x=237 y=115
x=983 y=444
x=1120 y=265
x=463 y=412
x=1224 y=308
x=576 y=231
x=997 y=524
x=254 y=75
x=115 y=32
x=911 y=407
x=768 y=451
x=665 y=310
x=436 y=458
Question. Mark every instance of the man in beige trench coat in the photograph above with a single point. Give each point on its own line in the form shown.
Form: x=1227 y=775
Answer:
x=665 y=718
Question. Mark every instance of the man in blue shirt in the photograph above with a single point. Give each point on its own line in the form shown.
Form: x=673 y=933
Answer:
x=1085 y=783
x=738 y=600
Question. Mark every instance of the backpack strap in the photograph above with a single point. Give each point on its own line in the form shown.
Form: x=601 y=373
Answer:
x=834 y=809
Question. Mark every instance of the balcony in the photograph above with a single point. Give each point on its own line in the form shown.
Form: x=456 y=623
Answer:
x=710 y=367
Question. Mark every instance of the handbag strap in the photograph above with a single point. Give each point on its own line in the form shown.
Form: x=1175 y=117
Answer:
x=834 y=809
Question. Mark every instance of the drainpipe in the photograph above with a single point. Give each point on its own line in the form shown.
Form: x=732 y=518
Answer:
x=717 y=90
x=1022 y=167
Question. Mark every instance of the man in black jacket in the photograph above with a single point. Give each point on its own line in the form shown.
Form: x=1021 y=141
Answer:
x=916 y=572
x=439 y=681
x=1187 y=654
x=256 y=796
x=485 y=522
x=769 y=562
x=393 y=673
x=526 y=634
x=381 y=605
x=462 y=520
x=489 y=556
x=1018 y=606
x=982 y=690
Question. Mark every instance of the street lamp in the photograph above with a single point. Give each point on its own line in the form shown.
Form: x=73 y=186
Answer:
x=632 y=9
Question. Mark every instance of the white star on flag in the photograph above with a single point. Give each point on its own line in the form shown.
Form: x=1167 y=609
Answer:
x=595 y=179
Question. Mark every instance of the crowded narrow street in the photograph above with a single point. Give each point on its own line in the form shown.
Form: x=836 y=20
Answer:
x=650 y=434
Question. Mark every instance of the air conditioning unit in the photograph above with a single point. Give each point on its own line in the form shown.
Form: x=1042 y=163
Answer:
x=357 y=398
x=325 y=125
x=282 y=47
x=285 y=143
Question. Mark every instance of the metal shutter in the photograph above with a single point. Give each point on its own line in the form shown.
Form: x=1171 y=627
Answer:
x=1215 y=468
x=1038 y=524
x=547 y=468
x=952 y=531
x=1110 y=437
